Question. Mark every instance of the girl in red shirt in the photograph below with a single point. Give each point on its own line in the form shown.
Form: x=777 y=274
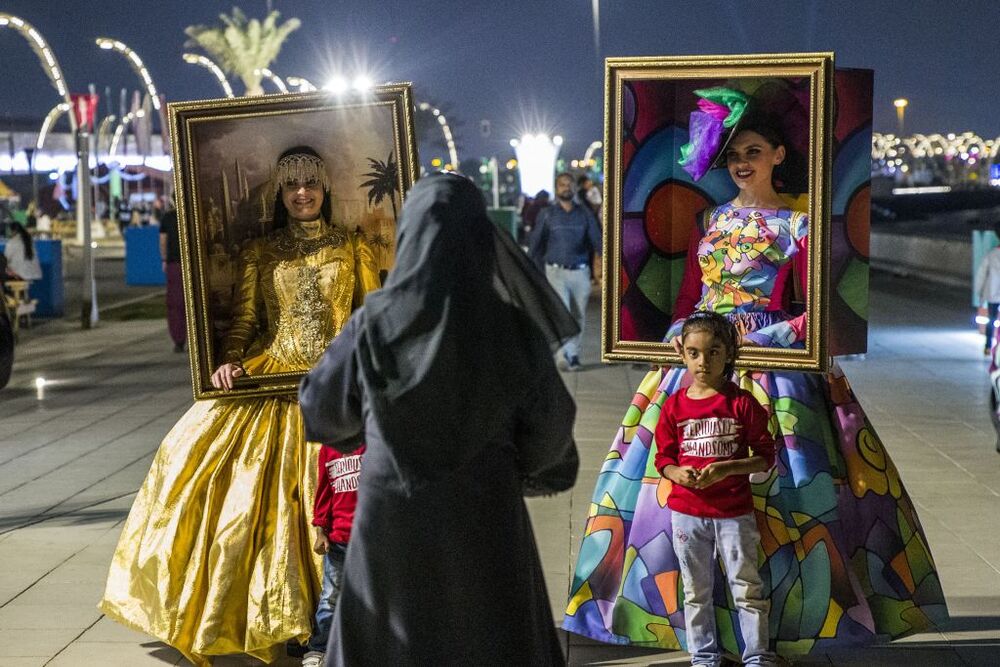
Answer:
x=710 y=437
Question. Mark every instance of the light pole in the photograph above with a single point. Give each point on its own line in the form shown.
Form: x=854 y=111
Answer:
x=900 y=104
x=196 y=59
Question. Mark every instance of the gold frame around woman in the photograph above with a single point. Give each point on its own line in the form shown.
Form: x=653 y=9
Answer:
x=189 y=120
x=818 y=69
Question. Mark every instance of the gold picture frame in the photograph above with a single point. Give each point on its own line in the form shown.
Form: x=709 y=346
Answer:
x=651 y=204
x=224 y=154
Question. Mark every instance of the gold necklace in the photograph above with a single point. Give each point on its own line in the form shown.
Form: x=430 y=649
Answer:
x=334 y=237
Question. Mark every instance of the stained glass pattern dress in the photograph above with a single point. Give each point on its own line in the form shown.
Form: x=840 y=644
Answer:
x=215 y=556
x=843 y=558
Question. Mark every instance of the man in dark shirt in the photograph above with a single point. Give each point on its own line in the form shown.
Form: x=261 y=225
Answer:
x=170 y=252
x=565 y=237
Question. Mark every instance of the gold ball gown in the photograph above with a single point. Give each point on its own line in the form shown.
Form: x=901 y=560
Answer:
x=215 y=556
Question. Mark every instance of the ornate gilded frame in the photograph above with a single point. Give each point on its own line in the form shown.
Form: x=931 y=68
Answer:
x=184 y=118
x=818 y=69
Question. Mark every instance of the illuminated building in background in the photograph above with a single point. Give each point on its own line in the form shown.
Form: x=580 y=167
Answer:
x=536 y=160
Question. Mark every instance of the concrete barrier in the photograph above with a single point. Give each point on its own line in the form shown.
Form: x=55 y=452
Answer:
x=942 y=260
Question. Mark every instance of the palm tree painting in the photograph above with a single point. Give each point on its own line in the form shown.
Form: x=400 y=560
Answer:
x=243 y=47
x=382 y=182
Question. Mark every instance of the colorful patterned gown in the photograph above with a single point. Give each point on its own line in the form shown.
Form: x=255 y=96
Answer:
x=843 y=556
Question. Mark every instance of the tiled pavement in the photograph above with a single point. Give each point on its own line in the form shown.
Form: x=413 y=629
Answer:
x=71 y=463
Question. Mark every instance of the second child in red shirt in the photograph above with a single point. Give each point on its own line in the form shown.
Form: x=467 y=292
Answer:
x=333 y=514
x=710 y=437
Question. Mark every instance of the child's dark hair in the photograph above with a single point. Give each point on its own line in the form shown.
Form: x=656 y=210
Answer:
x=721 y=328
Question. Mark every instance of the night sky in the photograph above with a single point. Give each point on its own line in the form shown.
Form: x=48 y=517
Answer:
x=530 y=65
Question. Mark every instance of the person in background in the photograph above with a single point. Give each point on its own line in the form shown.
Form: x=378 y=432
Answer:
x=565 y=238
x=987 y=290
x=333 y=514
x=20 y=253
x=170 y=253
x=589 y=194
x=529 y=214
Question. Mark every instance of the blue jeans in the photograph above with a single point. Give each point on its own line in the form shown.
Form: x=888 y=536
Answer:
x=573 y=287
x=696 y=541
x=333 y=576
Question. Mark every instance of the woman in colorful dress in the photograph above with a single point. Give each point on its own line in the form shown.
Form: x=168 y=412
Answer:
x=844 y=558
x=215 y=557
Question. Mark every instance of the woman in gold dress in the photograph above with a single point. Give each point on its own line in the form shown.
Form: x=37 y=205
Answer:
x=215 y=556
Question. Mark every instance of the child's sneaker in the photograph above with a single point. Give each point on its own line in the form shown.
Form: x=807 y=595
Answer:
x=313 y=659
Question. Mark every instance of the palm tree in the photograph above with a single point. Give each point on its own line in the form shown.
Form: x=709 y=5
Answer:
x=382 y=182
x=241 y=46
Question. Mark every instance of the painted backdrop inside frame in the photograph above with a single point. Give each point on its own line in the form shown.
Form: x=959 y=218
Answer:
x=235 y=161
x=243 y=267
x=664 y=211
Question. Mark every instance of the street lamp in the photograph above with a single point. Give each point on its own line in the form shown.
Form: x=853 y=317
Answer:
x=196 y=59
x=589 y=154
x=900 y=105
x=120 y=131
x=50 y=119
x=44 y=53
x=136 y=63
x=272 y=77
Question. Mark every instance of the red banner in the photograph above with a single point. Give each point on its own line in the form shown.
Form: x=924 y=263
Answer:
x=84 y=110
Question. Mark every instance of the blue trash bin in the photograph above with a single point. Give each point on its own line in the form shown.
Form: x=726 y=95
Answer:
x=143 y=264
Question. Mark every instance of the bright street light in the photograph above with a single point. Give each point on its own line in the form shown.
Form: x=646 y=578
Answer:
x=337 y=85
x=362 y=83
x=900 y=104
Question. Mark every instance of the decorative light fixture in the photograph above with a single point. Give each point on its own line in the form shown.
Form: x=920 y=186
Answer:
x=207 y=63
x=135 y=62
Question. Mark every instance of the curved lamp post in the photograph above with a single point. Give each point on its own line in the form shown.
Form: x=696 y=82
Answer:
x=273 y=78
x=135 y=62
x=445 y=129
x=196 y=59
x=120 y=130
x=44 y=53
x=303 y=84
x=50 y=120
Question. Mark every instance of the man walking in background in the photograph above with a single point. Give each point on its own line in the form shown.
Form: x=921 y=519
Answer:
x=565 y=236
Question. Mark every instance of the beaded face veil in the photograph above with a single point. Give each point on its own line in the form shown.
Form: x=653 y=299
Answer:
x=301 y=168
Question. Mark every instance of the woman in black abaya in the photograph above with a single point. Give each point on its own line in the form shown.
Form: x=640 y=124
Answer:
x=447 y=375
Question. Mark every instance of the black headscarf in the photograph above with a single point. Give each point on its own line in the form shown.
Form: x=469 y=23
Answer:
x=456 y=331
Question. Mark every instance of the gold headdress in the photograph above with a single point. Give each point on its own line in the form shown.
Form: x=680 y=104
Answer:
x=300 y=168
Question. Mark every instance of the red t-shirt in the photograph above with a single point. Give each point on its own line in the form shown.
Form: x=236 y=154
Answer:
x=337 y=492
x=730 y=425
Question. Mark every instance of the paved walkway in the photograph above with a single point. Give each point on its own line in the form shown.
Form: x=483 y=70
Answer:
x=70 y=465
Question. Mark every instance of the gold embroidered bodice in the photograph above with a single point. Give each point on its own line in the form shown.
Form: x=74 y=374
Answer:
x=307 y=286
